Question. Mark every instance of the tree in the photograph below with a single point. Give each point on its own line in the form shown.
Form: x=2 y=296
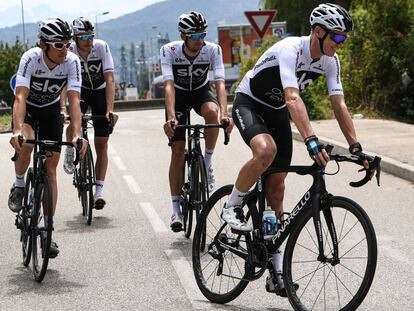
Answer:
x=9 y=63
x=296 y=13
x=378 y=58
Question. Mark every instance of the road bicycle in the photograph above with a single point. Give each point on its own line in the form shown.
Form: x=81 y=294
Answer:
x=195 y=192
x=35 y=236
x=84 y=178
x=330 y=255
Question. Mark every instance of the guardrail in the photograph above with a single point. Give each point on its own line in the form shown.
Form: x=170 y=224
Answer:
x=124 y=105
x=5 y=110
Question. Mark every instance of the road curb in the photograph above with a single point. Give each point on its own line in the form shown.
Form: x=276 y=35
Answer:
x=388 y=165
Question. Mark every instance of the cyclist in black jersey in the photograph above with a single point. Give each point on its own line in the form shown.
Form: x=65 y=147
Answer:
x=43 y=72
x=98 y=92
x=270 y=92
x=185 y=65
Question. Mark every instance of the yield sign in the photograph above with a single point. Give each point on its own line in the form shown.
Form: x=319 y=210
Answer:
x=260 y=20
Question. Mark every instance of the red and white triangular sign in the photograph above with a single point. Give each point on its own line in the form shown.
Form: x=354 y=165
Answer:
x=260 y=20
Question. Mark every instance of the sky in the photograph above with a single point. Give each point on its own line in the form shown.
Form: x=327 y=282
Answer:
x=35 y=10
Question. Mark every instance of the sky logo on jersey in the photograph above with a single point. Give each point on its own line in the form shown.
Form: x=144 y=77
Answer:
x=187 y=72
x=46 y=86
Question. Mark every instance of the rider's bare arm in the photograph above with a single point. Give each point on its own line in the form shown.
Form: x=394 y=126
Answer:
x=19 y=108
x=343 y=117
x=170 y=99
x=298 y=112
x=221 y=97
x=109 y=91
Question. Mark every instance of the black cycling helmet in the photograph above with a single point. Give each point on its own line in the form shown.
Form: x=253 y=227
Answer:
x=82 y=24
x=331 y=17
x=192 y=22
x=54 y=29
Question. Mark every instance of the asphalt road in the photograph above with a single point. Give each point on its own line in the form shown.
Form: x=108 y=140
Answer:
x=128 y=259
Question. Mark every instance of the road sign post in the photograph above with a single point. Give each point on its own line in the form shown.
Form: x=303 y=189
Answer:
x=260 y=20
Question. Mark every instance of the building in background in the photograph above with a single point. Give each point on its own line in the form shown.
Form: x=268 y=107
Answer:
x=239 y=42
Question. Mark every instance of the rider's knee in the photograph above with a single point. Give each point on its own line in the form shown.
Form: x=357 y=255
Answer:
x=265 y=154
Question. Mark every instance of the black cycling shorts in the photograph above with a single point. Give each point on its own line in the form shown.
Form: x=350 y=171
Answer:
x=50 y=123
x=253 y=118
x=194 y=99
x=96 y=99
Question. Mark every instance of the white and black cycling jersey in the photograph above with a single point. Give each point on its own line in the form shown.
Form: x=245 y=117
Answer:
x=45 y=85
x=99 y=61
x=192 y=75
x=288 y=63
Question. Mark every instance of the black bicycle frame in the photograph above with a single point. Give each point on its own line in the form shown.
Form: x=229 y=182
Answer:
x=311 y=199
x=193 y=140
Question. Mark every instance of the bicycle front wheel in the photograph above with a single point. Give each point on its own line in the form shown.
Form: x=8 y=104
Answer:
x=219 y=273
x=42 y=226
x=89 y=179
x=337 y=283
x=24 y=218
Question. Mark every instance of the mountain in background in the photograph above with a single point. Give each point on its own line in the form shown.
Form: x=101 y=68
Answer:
x=138 y=26
x=157 y=19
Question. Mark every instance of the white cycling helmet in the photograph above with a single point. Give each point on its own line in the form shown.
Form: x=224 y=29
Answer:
x=192 y=22
x=54 y=29
x=331 y=17
x=82 y=24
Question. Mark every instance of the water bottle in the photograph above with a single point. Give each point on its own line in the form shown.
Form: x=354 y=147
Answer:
x=269 y=223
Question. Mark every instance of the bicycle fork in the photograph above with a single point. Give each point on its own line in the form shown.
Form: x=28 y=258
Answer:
x=319 y=201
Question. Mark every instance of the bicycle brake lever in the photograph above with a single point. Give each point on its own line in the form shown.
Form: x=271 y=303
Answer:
x=375 y=163
x=226 y=138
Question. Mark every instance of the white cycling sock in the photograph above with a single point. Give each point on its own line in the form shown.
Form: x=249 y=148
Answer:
x=207 y=157
x=20 y=181
x=99 y=188
x=277 y=260
x=176 y=204
x=235 y=198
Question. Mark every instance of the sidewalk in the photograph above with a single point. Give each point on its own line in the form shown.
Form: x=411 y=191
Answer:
x=393 y=141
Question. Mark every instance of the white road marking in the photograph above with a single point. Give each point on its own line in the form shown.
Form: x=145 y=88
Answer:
x=185 y=272
x=132 y=184
x=111 y=150
x=119 y=164
x=156 y=222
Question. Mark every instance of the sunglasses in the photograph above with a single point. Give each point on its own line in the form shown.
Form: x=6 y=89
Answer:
x=87 y=37
x=337 y=38
x=196 y=36
x=59 y=45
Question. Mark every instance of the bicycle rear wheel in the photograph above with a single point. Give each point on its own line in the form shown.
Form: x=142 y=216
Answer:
x=41 y=233
x=220 y=274
x=24 y=218
x=340 y=284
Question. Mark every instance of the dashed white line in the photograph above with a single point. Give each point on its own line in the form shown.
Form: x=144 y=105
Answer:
x=184 y=271
x=156 y=222
x=119 y=164
x=132 y=184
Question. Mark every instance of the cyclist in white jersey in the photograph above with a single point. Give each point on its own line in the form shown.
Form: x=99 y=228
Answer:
x=98 y=92
x=271 y=91
x=185 y=65
x=43 y=72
